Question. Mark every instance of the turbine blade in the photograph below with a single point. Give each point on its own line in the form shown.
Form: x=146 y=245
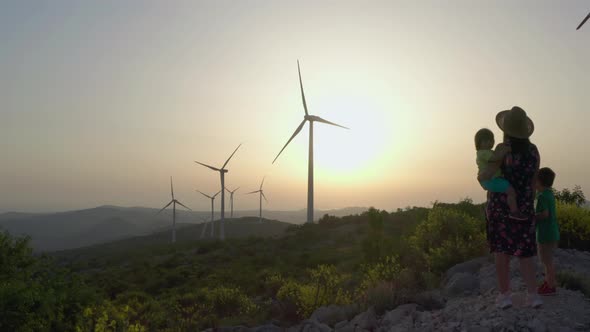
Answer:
x=262 y=183
x=235 y=190
x=290 y=139
x=252 y=192
x=318 y=119
x=211 y=167
x=301 y=86
x=171 y=188
x=227 y=161
x=262 y=193
x=216 y=194
x=584 y=21
x=202 y=193
x=164 y=208
x=186 y=207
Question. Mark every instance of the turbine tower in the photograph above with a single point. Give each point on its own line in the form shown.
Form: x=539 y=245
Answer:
x=584 y=21
x=204 y=222
x=231 y=201
x=261 y=192
x=174 y=201
x=212 y=198
x=222 y=172
x=311 y=118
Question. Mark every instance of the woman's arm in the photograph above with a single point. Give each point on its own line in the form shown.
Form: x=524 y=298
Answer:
x=494 y=163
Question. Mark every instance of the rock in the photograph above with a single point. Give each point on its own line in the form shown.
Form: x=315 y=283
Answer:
x=429 y=300
x=461 y=284
x=312 y=325
x=233 y=329
x=396 y=315
x=470 y=267
x=535 y=325
x=366 y=320
x=340 y=325
x=333 y=314
x=267 y=328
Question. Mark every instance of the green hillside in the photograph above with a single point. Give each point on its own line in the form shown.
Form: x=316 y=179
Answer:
x=271 y=271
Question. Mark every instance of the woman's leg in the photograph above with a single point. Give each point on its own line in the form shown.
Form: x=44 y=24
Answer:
x=527 y=269
x=503 y=272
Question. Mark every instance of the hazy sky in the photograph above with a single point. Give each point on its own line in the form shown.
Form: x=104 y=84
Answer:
x=101 y=101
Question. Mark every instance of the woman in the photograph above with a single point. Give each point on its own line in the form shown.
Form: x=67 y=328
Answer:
x=508 y=237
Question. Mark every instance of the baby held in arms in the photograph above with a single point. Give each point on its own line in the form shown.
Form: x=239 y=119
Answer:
x=488 y=158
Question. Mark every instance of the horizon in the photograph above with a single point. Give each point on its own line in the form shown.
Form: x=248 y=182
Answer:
x=102 y=102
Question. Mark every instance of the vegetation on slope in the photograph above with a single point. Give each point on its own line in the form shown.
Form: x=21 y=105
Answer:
x=375 y=258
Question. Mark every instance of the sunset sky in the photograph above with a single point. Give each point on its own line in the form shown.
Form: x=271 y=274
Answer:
x=102 y=101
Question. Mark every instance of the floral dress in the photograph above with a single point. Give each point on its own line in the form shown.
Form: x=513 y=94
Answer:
x=505 y=235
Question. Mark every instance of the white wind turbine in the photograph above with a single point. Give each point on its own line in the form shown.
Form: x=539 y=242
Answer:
x=212 y=198
x=311 y=119
x=204 y=222
x=231 y=200
x=174 y=201
x=222 y=172
x=261 y=192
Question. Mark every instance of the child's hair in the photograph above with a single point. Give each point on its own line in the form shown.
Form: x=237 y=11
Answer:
x=482 y=135
x=546 y=177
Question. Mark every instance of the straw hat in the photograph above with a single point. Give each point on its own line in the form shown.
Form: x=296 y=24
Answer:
x=515 y=123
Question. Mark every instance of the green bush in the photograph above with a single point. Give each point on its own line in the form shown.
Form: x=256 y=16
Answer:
x=322 y=288
x=34 y=294
x=448 y=237
x=574 y=226
x=574 y=281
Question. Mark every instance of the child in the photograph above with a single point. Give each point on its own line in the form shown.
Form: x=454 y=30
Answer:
x=486 y=157
x=547 y=228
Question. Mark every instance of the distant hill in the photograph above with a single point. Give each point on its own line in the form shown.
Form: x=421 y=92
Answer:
x=79 y=228
x=187 y=235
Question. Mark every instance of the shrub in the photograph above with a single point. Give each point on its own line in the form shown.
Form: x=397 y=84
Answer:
x=574 y=281
x=323 y=288
x=574 y=226
x=448 y=237
x=34 y=294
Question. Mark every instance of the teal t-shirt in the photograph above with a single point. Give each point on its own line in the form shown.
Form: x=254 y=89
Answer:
x=547 y=229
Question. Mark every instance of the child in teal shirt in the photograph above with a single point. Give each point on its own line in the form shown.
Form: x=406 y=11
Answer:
x=547 y=228
x=488 y=159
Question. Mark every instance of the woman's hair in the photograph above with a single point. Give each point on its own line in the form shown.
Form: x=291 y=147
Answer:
x=518 y=145
x=483 y=135
x=546 y=177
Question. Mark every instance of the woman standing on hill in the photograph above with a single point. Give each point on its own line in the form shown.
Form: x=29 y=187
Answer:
x=508 y=237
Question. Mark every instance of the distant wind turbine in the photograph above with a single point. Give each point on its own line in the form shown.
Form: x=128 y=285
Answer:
x=204 y=222
x=222 y=172
x=174 y=201
x=231 y=200
x=584 y=21
x=261 y=192
x=311 y=119
x=212 y=198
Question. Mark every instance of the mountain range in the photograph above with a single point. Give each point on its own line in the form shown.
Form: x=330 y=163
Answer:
x=79 y=228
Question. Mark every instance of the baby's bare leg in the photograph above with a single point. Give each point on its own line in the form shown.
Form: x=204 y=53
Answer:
x=512 y=200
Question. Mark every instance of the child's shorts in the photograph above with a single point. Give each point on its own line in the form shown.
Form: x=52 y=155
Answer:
x=496 y=185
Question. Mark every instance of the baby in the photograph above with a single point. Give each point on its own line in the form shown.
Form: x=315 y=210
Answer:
x=486 y=157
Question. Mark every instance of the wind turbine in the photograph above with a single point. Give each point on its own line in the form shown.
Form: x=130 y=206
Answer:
x=174 y=201
x=204 y=222
x=222 y=172
x=584 y=21
x=311 y=119
x=231 y=200
x=261 y=192
x=212 y=198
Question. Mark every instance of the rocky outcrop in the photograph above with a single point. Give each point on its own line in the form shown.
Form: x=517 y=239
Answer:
x=466 y=303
